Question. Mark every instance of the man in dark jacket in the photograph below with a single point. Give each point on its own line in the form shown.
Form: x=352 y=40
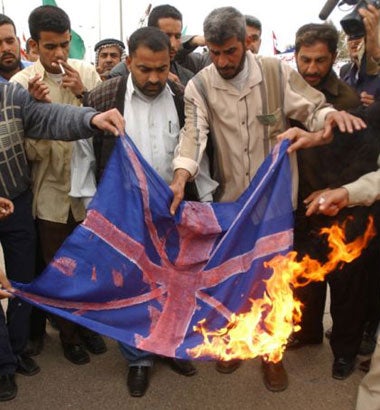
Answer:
x=340 y=162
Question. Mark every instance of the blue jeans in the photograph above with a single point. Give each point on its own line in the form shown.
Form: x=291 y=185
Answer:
x=135 y=356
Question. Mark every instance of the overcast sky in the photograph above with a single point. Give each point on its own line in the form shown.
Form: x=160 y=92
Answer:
x=97 y=19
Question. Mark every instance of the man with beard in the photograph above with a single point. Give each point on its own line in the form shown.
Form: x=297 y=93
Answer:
x=10 y=58
x=333 y=165
x=240 y=103
x=153 y=110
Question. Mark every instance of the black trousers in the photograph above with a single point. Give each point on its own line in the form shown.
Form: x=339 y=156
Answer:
x=17 y=237
x=349 y=291
x=51 y=236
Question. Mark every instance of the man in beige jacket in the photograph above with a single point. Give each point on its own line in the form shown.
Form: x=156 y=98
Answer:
x=60 y=80
x=241 y=103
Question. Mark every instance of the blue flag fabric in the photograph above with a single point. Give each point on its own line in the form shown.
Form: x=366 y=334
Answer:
x=133 y=272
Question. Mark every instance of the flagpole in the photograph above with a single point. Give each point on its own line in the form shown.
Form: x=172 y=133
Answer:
x=121 y=19
x=2 y=6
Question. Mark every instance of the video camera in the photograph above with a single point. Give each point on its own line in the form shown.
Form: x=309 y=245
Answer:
x=352 y=23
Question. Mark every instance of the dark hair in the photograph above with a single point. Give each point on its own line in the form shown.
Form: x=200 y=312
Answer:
x=150 y=37
x=6 y=20
x=309 y=34
x=224 y=23
x=27 y=45
x=253 y=21
x=161 y=12
x=48 y=18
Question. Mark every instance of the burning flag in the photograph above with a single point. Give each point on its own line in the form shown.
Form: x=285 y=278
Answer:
x=264 y=330
x=133 y=272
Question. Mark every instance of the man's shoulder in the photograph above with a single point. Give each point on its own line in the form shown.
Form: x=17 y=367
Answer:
x=107 y=91
x=23 y=75
x=83 y=67
x=12 y=91
x=80 y=64
x=110 y=85
x=341 y=95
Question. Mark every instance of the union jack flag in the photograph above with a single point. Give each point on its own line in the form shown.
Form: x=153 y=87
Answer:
x=134 y=273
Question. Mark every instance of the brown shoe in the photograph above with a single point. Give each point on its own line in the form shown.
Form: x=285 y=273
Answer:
x=274 y=375
x=228 y=367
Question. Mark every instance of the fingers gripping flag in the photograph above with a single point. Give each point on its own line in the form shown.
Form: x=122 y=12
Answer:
x=133 y=272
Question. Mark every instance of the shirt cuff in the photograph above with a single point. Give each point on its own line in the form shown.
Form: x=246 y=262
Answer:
x=355 y=194
x=186 y=163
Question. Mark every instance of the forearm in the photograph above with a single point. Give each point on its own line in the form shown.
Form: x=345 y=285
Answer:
x=193 y=136
x=55 y=121
x=365 y=190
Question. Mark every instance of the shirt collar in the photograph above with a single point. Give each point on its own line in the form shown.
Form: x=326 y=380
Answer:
x=132 y=90
x=39 y=68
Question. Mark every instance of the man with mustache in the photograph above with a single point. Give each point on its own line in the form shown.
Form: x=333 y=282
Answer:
x=152 y=107
x=10 y=58
x=334 y=164
x=241 y=103
x=108 y=53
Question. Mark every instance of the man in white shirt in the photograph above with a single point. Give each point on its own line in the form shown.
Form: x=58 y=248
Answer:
x=153 y=110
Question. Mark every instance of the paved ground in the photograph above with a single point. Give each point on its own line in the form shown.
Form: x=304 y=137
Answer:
x=101 y=384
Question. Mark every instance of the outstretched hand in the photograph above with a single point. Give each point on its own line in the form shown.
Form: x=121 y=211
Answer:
x=181 y=176
x=300 y=138
x=303 y=139
x=111 y=121
x=345 y=121
x=327 y=202
x=38 y=89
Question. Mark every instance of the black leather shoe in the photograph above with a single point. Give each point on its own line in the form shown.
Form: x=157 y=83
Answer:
x=295 y=342
x=8 y=387
x=26 y=365
x=138 y=380
x=342 y=368
x=94 y=343
x=34 y=347
x=228 y=366
x=183 y=367
x=75 y=354
x=274 y=376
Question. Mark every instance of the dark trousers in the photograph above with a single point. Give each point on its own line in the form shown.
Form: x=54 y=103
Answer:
x=349 y=292
x=17 y=237
x=38 y=316
x=52 y=235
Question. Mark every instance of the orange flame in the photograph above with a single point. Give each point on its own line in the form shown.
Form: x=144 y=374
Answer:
x=265 y=329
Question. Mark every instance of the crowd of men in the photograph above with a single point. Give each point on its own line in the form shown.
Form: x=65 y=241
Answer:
x=227 y=107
